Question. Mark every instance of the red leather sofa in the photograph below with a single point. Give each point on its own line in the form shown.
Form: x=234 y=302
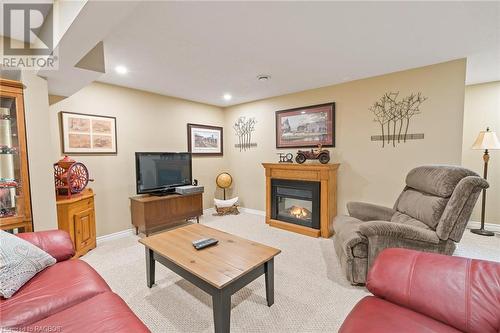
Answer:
x=426 y=292
x=69 y=296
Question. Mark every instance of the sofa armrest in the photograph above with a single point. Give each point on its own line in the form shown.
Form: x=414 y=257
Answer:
x=367 y=212
x=460 y=292
x=57 y=243
x=399 y=231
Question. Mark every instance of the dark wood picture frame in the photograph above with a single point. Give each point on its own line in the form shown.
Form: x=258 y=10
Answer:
x=219 y=129
x=329 y=142
x=63 y=133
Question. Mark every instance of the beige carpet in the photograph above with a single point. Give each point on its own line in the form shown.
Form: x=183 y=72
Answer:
x=311 y=294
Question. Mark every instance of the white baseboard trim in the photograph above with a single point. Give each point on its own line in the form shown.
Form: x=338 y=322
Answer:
x=115 y=235
x=210 y=211
x=207 y=211
x=488 y=226
x=253 y=211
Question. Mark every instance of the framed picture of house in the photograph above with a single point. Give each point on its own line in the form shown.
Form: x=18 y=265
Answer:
x=306 y=126
x=87 y=134
x=205 y=140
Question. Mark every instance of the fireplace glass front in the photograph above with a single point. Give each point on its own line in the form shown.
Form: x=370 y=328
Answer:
x=296 y=202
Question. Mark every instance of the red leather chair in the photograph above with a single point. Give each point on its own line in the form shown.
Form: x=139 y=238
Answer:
x=426 y=292
x=69 y=296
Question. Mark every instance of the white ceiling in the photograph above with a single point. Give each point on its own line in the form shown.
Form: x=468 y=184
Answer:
x=95 y=20
x=201 y=50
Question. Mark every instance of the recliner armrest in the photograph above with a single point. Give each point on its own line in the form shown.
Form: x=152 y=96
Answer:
x=367 y=212
x=57 y=243
x=460 y=292
x=398 y=230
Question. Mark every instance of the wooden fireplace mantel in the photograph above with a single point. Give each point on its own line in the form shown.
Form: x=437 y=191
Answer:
x=326 y=174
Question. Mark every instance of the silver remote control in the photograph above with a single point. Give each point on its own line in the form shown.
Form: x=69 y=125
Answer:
x=204 y=242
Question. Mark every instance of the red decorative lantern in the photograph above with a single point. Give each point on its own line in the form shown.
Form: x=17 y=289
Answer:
x=70 y=177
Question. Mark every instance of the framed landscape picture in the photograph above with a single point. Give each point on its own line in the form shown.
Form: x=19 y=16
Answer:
x=205 y=140
x=87 y=134
x=306 y=126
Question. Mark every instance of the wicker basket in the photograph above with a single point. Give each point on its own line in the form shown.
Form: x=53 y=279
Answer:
x=220 y=211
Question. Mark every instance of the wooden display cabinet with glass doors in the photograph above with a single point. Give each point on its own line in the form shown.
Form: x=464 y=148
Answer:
x=15 y=201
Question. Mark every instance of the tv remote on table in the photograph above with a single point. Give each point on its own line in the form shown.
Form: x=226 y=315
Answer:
x=204 y=242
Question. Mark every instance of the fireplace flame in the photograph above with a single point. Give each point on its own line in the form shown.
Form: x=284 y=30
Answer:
x=299 y=212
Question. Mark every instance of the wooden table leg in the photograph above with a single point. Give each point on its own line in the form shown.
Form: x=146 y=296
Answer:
x=269 y=271
x=150 y=268
x=222 y=311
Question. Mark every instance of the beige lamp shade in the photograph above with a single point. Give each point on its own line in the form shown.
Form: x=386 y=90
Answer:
x=486 y=140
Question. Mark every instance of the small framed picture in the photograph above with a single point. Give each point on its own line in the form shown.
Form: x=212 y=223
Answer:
x=205 y=140
x=306 y=126
x=86 y=134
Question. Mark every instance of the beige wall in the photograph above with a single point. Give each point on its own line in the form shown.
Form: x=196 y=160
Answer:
x=368 y=172
x=482 y=109
x=40 y=151
x=145 y=122
x=153 y=122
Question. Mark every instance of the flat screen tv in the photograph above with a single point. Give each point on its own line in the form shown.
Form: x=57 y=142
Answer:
x=161 y=173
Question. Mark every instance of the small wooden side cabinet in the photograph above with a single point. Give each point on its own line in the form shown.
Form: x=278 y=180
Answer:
x=77 y=216
x=153 y=213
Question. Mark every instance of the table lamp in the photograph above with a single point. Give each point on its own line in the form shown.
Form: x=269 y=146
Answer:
x=486 y=140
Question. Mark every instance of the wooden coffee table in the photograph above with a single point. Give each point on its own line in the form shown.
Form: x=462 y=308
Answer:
x=219 y=270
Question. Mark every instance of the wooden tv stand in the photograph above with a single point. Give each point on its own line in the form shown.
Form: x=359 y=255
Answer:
x=153 y=213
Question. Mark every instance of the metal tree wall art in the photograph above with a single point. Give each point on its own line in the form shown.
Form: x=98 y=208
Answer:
x=394 y=114
x=244 y=128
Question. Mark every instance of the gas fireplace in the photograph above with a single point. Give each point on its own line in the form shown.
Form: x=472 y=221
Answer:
x=296 y=201
x=301 y=197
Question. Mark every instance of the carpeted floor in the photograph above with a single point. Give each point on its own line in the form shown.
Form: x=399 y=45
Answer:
x=311 y=294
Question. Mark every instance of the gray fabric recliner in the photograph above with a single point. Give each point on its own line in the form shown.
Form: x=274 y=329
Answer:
x=430 y=215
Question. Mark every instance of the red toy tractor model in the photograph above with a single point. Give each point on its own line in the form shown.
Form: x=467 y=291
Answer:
x=70 y=177
x=320 y=154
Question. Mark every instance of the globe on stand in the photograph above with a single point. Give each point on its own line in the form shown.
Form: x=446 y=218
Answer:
x=224 y=181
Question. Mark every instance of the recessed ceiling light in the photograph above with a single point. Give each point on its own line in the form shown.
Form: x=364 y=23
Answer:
x=121 y=69
x=263 y=77
x=302 y=112
x=227 y=97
